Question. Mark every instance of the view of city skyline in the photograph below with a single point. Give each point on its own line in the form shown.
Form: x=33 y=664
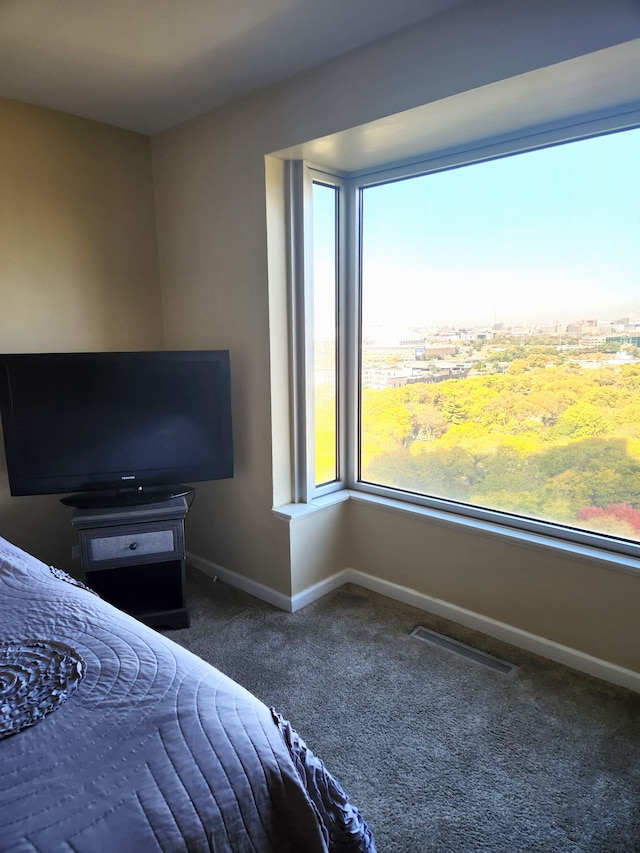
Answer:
x=628 y=323
x=394 y=357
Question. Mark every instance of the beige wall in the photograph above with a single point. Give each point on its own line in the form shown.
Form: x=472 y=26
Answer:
x=211 y=214
x=78 y=264
x=570 y=600
x=223 y=266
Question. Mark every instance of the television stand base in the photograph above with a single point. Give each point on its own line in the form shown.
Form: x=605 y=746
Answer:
x=125 y=497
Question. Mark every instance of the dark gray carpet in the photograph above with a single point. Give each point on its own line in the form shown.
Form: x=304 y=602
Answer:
x=439 y=753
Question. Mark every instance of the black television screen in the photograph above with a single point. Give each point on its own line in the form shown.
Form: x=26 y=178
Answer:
x=132 y=426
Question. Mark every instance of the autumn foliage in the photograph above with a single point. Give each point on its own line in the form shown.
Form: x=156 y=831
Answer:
x=559 y=442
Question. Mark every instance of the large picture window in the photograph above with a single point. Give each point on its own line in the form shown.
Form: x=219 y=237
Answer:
x=499 y=336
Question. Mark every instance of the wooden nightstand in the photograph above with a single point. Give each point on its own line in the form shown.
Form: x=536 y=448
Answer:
x=134 y=557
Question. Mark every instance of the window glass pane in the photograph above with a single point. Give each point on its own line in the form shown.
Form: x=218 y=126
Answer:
x=324 y=331
x=501 y=335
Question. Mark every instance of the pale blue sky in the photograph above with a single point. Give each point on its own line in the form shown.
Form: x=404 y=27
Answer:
x=549 y=235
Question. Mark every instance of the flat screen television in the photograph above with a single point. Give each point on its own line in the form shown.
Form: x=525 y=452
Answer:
x=115 y=428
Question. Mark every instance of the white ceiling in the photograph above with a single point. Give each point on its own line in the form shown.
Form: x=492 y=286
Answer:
x=146 y=65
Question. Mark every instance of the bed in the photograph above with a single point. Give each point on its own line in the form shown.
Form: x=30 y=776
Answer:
x=114 y=738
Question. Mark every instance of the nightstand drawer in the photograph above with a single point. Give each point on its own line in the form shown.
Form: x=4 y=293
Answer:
x=132 y=545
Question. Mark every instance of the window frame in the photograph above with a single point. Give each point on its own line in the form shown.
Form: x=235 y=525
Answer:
x=350 y=333
x=302 y=177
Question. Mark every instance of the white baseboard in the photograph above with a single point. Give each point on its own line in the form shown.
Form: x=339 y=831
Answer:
x=258 y=590
x=320 y=589
x=499 y=630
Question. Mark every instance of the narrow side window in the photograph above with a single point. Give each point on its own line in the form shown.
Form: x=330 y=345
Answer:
x=325 y=332
x=317 y=290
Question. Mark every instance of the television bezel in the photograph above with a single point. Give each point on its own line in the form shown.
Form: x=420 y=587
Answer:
x=105 y=488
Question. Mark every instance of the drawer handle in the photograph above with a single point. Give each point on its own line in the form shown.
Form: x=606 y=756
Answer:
x=133 y=546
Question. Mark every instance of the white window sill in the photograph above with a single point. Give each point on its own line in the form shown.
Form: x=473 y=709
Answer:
x=293 y=512
x=525 y=538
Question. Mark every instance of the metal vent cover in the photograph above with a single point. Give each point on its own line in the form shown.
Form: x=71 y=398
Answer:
x=475 y=655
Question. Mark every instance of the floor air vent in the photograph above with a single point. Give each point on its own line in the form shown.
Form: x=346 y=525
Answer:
x=461 y=649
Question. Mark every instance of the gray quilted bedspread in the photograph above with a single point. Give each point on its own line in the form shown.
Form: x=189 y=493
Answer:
x=126 y=741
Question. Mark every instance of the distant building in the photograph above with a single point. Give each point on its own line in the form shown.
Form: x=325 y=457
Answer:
x=628 y=340
x=422 y=371
x=583 y=327
x=376 y=353
x=592 y=341
x=379 y=378
x=550 y=330
x=437 y=351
